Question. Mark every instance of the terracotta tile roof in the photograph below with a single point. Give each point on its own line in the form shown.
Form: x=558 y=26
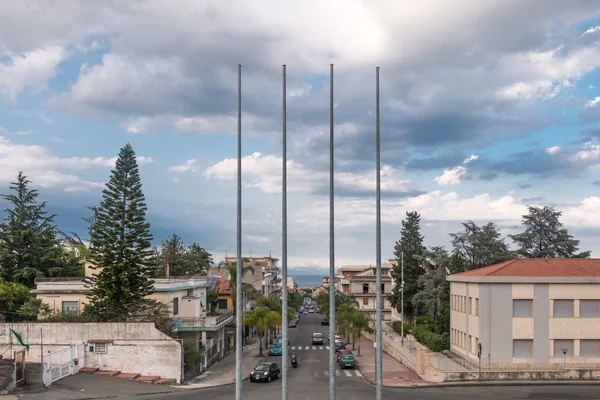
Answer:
x=223 y=286
x=547 y=267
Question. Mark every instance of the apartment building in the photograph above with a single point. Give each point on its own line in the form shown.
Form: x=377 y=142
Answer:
x=185 y=297
x=359 y=281
x=526 y=312
x=263 y=279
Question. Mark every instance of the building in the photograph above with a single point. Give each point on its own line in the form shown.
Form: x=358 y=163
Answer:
x=224 y=296
x=264 y=277
x=291 y=284
x=359 y=281
x=526 y=312
x=185 y=297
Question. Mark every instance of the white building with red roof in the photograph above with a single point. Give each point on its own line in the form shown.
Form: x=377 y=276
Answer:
x=528 y=313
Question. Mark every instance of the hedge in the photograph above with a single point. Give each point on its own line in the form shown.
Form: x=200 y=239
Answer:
x=434 y=341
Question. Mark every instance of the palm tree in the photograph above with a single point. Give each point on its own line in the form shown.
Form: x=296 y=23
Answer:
x=274 y=320
x=359 y=322
x=260 y=318
x=232 y=271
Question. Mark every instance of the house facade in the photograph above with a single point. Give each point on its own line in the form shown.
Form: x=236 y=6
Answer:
x=184 y=296
x=263 y=279
x=359 y=281
x=526 y=313
x=224 y=297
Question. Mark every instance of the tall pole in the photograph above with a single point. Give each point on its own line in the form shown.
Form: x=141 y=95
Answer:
x=284 y=293
x=402 y=302
x=332 y=357
x=379 y=316
x=238 y=282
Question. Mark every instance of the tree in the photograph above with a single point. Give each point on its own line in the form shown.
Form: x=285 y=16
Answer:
x=212 y=299
x=545 y=237
x=172 y=253
x=411 y=244
x=427 y=299
x=260 y=318
x=480 y=246
x=33 y=308
x=29 y=246
x=120 y=244
x=232 y=271
x=12 y=297
x=360 y=322
x=197 y=260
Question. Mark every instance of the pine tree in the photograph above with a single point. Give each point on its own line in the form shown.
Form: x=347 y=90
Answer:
x=411 y=244
x=120 y=244
x=545 y=236
x=29 y=244
x=480 y=246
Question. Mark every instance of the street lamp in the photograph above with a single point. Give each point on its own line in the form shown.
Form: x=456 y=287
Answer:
x=564 y=351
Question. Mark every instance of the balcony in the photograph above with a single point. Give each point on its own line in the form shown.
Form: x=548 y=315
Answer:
x=203 y=323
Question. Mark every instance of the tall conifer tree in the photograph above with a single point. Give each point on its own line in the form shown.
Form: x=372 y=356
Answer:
x=120 y=244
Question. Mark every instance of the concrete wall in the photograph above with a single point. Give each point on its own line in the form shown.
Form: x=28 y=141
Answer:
x=135 y=347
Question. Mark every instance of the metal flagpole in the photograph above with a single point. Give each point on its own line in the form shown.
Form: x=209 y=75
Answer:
x=332 y=356
x=402 y=301
x=284 y=298
x=238 y=284
x=379 y=317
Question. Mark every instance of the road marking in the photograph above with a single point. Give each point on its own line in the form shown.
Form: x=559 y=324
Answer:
x=357 y=372
x=314 y=348
x=307 y=347
x=293 y=347
x=347 y=373
x=327 y=347
x=321 y=348
x=316 y=374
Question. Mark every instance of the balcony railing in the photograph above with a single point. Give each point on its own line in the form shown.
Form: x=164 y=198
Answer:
x=204 y=322
x=60 y=279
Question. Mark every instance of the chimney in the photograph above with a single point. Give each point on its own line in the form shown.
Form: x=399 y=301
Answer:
x=167 y=271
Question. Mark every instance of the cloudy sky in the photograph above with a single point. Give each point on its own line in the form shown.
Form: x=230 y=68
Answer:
x=487 y=106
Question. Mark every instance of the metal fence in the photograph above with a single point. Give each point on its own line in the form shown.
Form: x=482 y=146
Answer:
x=64 y=362
x=211 y=356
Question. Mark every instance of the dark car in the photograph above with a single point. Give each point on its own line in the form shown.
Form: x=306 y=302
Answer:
x=265 y=372
x=324 y=322
x=347 y=360
x=339 y=346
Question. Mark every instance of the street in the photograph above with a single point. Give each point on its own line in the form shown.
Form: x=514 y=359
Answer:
x=310 y=381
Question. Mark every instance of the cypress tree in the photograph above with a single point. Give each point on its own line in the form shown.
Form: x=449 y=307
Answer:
x=120 y=244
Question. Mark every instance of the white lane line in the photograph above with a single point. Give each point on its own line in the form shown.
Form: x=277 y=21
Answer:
x=357 y=372
x=321 y=348
x=307 y=347
x=293 y=347
x=347 y=373
x=327 y=347
x=314 y=348
x=316 y=374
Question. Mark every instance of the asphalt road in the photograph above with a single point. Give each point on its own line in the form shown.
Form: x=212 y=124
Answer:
x=310 y=381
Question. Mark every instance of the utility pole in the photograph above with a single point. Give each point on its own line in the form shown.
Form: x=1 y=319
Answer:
x=402 y=300
x=238 y=285
x=284 y=291
x=332 y=355
x=379 y=316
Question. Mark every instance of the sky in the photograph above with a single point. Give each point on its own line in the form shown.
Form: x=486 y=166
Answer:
x=486 y=108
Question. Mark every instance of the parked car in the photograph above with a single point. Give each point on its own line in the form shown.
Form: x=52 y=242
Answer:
x=292 y=324
x=342 y=351
x=265 y=372
x=276 y=349
x=317 y=338
x=280 y=339
x=324 y=322
x=339 y=346
x=347 y=360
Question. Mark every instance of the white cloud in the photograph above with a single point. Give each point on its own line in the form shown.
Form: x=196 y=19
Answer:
x=258 y=239
x=451 y=176
x=553 y=150
x=264 y=172
x=189 y=165
x=46 y=170
x=592 y=103
x=472 y=158
x=30 y=70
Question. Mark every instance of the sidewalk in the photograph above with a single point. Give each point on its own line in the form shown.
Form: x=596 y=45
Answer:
x=395 y=374
x=223 y=373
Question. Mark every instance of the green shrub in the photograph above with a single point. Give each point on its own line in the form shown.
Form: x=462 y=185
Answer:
x=423 y=320
x=397 y=326
x=191 y=355
x=434 y=341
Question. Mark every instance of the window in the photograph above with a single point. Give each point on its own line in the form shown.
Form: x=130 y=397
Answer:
x=365 y=288
x=100 y=348
x=175 y=306
x=522 y=308
x=589 y=308
x=383 y=288
x=563 y=308
x=70 y=306
x=222 y=305
x=589 y=348
x=365 y=301
x=523 y=348
x=190 y=293
x=560 y=344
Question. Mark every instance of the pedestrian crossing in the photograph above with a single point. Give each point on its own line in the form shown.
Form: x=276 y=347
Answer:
x=304 y=348
x=345 y=372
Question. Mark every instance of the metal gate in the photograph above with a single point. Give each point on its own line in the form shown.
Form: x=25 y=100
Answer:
x=20 y=367
x=64 y=362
